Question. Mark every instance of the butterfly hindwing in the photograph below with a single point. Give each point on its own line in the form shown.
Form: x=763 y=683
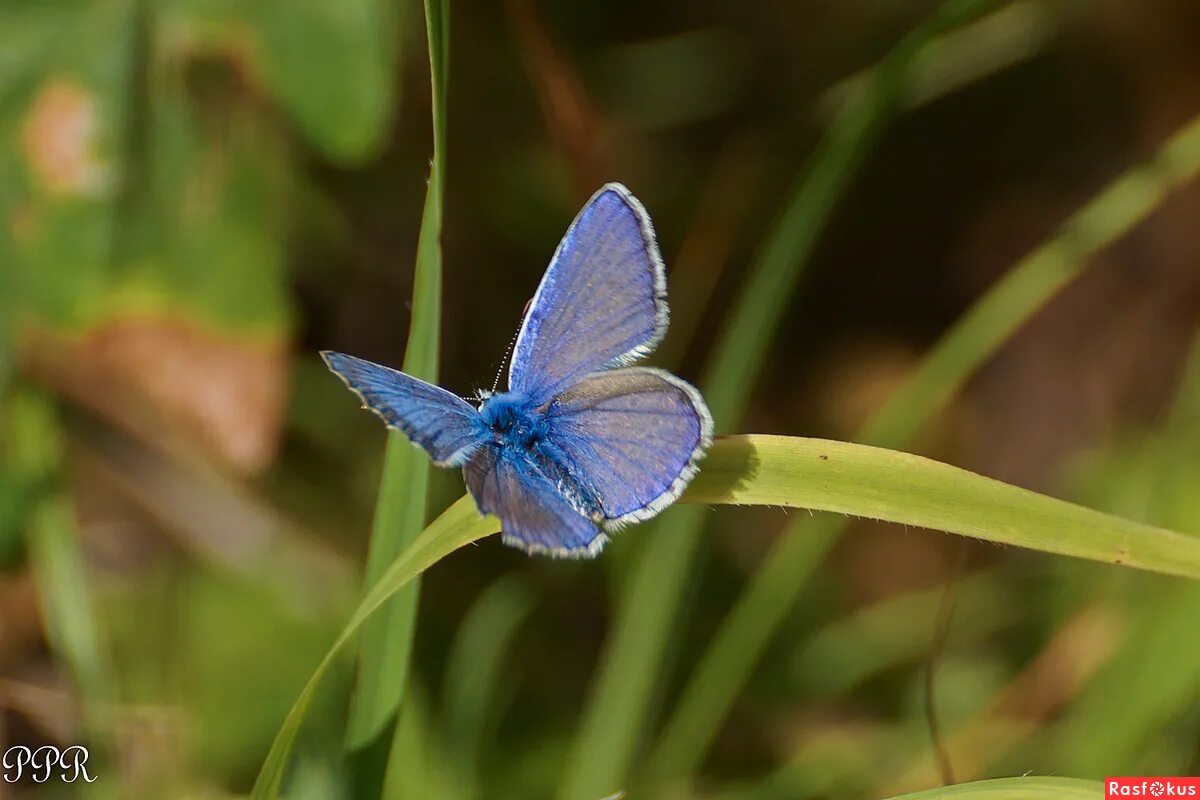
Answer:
x=534 y=514
x=443 y=424
x=632 y=437
x=601 y=302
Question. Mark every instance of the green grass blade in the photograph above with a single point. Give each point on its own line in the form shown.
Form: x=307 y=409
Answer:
x=1153 y=679
x=738 y=357
x=62 y=587
x=475 y=673
x=616 y=713
x=386 y=644
x=1027 y=788
x=851 y=650
x=968 y=55
x=1149 y=683
x=459 y=525
x=775 y=587
x=871 y=482
x=416 y=767
x=73 y=627
x=823 y=475
x=1035 y=279
x=31 y=453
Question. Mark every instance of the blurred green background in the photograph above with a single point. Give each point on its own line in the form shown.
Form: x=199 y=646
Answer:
x=198 y=195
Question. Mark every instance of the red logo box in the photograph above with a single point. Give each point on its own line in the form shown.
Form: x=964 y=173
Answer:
x=1151 y=787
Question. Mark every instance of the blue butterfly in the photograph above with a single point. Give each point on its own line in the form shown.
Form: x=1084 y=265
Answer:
x=580 y=444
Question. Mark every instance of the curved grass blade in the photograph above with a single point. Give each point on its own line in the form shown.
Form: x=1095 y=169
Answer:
x=386 y=644
x=864 y=481
x=775 y=587
x=457 y=526
x=617 y=710
x=1026 y=788
x=824 y=475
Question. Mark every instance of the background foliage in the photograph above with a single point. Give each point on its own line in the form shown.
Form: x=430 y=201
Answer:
x=961 y=228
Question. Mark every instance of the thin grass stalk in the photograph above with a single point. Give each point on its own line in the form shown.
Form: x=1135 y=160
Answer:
x=74 y=630
x=385 y=647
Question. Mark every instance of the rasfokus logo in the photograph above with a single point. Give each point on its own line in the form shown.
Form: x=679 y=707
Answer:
x=1151 y=787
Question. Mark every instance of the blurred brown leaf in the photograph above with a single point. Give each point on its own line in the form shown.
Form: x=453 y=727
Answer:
x=158 y=377
x=20 y=619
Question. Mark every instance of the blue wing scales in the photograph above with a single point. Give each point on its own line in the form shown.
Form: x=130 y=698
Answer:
x=601 y=302
x=448 y=428
x=534 y=515
x=631 y=437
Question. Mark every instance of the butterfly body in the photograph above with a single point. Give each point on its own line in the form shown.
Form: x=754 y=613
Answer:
x=514 y=420
x=580 y=444
x=523 y=436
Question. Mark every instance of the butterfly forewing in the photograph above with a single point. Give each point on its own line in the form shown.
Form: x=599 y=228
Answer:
x=601 y=302
x=443 y=424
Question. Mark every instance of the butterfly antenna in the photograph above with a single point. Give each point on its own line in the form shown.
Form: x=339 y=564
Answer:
x=504 y=361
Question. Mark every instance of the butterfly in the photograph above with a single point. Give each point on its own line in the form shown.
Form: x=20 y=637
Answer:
x=581 y=443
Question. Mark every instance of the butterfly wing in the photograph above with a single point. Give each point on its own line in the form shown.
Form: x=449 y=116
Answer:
x=535 y=516
x=443 y=424
x=601 y=302
x=631 y=437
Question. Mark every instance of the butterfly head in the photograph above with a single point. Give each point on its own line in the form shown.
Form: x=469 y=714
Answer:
x=513 y=420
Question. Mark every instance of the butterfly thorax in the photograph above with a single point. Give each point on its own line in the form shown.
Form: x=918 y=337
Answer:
x=521 y=431
x=514 y=421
